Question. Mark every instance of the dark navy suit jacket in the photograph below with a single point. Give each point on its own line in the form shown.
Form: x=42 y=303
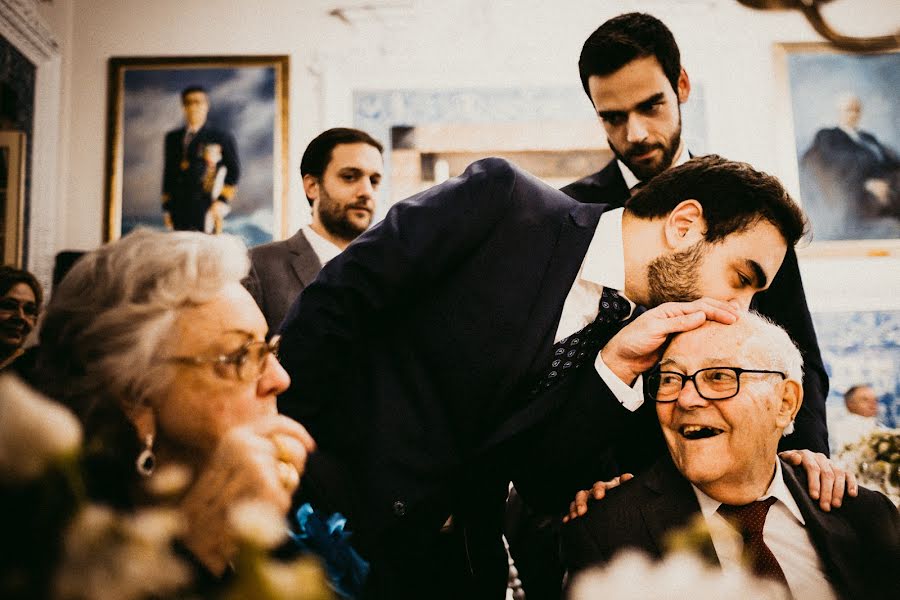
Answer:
x=413 y=355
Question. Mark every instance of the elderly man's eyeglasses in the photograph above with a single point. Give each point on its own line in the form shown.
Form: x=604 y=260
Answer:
x=247 y=363
x=11 y=305
x=713 y=383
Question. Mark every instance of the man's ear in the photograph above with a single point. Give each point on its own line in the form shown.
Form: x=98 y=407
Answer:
x=311 y=186
x=685 y=225
x=791 y=399
x=684 y=86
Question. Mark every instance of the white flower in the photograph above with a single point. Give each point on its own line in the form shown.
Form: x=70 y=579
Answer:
x=169 y=480
x=34 y=431
x=633 y=575
x=110 y=557
x=155 y=526
x=258 y=523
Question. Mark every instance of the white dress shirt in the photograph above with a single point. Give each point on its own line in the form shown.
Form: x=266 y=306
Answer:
x=603 y=265
x=845 y=427
x=325 y=249
x=784 y=533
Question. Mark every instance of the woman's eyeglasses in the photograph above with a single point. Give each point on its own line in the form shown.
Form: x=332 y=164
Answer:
x=247 y=363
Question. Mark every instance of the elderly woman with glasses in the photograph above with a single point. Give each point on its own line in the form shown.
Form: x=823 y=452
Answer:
x=161 y=352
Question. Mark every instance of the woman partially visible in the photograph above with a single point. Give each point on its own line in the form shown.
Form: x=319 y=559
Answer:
x=160 y=351
x=20 y=305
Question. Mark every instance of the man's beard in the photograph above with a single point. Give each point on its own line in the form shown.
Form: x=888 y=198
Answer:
x=647 y=172
x=673 y=277
x=334 y=218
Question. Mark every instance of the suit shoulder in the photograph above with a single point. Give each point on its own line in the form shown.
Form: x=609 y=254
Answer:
x=217 y=135
x=831 y=135
x=610 y=524
x=619 y=503
x=874 y=504
x=504 y=179
x=267 y=250
x=597 y=187
x=174 y=134
x=869 y=506
x=494 y=167
x=585 y=182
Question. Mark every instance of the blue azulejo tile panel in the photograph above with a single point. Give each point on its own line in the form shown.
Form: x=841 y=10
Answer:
x=378 y=111
x=863 y=347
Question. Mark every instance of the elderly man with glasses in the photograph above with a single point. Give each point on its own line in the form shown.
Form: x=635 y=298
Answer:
x=725 y=394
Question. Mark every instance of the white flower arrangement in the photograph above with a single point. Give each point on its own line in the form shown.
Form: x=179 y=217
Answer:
x=632 y=575
x=875 y=459
x=35 y=432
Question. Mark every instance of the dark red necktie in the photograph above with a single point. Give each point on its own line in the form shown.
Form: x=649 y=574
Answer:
x=749 y=520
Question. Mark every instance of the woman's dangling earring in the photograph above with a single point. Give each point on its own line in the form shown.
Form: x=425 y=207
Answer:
x=146 y=460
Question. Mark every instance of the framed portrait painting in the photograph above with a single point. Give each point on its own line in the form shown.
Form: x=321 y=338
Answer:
x=198 y=143
x=844 y=137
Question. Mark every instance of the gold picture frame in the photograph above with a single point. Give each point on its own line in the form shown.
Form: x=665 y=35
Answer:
x=12 y=195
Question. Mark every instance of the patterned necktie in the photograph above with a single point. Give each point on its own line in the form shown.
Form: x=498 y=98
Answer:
x=749 y=520
x=570 y=352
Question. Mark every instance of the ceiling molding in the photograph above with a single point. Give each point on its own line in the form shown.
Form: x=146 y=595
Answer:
x=21 y=23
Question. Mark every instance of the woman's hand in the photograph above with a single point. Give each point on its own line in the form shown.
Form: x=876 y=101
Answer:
x=262 y=461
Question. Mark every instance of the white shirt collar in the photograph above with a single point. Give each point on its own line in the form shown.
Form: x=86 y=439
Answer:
x=604 y=263
x=777 y=489
x=631 y=180
x=325 y=249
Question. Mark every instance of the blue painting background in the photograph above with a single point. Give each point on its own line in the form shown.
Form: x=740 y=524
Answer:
x=242 y=101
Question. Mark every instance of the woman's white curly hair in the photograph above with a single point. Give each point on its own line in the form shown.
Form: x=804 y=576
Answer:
x=104 y=326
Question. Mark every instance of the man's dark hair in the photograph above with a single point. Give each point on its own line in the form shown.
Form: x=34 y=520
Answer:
x=624 y=38
x=10 y=276
x=734 y=197
x=318 y=153
x=192 y=89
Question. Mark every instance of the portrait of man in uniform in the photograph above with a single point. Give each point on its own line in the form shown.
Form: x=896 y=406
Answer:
x=195 y=156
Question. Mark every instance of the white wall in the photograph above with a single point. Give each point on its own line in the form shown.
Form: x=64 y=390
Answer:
x=430 y=44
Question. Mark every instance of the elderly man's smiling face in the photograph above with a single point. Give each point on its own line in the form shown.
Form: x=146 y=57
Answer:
x=728 y=445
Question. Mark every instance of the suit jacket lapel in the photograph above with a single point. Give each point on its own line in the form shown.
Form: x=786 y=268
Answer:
x=574 y=238
x=303 y=258
x=833 y=538
x=674 y=506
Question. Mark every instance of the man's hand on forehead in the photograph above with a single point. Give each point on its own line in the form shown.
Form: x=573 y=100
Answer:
x=639 y=345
